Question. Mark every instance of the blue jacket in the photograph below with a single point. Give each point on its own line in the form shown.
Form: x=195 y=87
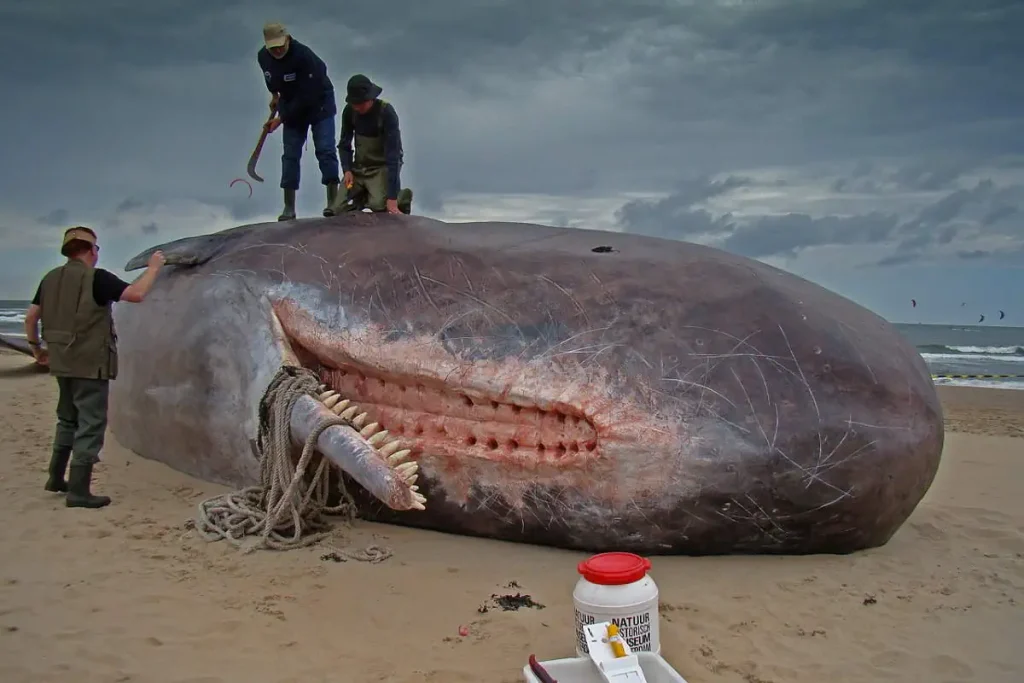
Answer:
x=307 y=94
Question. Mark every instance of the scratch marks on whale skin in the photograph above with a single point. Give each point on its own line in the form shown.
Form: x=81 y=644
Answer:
x=468 y=295
x=546 y=508
x=456 y=261
x=856 y=347
x=423 y=288
x=574 y=300
x=770 y=411
x=562 y=348
x=494 y=329
x=557 y=510
x=753 y=514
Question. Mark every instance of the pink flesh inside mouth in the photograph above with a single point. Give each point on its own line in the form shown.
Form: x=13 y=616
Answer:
x=442 y=422
x=432 y=417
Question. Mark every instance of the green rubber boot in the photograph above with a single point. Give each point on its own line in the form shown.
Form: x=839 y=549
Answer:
x=289 y=206
x=58 y=467
x=332 y=197
x=405 y=200
x=79 y=495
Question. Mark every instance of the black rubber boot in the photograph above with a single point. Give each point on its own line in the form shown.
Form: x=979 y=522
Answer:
x=332 y=197
x=79 y=495
x=58 y=467
x=289 y=206
x=405 y=200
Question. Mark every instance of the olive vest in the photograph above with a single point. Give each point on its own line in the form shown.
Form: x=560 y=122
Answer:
x=369 y=152
x=79 y=334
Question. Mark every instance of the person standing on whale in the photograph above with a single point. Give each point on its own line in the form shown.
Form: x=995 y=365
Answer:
x=73 y=302
x=303 y=96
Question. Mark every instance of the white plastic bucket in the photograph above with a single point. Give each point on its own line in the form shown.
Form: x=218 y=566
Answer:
x=615 y=587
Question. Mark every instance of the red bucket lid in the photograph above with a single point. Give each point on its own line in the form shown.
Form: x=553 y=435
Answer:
x=614 y=569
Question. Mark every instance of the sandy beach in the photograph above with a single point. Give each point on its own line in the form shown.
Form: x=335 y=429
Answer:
x=127 y=593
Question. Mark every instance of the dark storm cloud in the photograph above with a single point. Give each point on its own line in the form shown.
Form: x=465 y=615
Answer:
x=787 y=235
x=931 y=174
x=678 y=217
x=674 y=216
x=922 y=175
x=898 y=259
x=129 y=204
x=55 y=218
x=238 y=204
x=966 y=213
x=998 y=214
x=152 y=107
x=703 y=86
x=1013 y=256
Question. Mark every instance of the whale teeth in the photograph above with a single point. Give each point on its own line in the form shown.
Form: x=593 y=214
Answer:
x=378 y=437
x=331 y=400
x=359 y=419
x=412 y=480
x=327 y=394
x=369 y=429
x=418 y=505
x=349 y=412
x=407 y=469
x=418 y=500
x=398 y=457
x=340 y=406
x=390 y=447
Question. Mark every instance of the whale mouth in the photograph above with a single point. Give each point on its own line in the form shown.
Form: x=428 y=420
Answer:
x=417 y=414
x=440 y=418
x=442 y=421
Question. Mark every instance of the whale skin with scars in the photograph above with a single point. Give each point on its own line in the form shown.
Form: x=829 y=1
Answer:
x=566 y=387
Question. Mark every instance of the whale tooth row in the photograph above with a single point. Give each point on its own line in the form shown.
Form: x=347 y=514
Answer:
x=390 y=449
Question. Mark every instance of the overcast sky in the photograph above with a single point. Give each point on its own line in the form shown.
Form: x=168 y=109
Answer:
x=874 y=146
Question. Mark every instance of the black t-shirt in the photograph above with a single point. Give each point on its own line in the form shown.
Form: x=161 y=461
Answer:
x=106 y=288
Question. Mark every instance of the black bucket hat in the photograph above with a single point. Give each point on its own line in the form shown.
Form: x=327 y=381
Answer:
x=361 y=89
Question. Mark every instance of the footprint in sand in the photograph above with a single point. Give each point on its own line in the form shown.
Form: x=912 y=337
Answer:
x=929 y=532
x=890 y=658
x=944 y=665
x=743 y=626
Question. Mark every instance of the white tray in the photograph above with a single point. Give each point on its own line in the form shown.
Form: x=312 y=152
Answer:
x=583 y=670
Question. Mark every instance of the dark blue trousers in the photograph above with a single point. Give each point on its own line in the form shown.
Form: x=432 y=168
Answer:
x=294 y=137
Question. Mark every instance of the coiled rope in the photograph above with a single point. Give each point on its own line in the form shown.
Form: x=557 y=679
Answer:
x=283 y=511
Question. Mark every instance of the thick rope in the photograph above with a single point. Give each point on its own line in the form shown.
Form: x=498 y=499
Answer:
x=283 y=510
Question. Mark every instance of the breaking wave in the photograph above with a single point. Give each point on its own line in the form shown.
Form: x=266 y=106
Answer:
x=1002 y=353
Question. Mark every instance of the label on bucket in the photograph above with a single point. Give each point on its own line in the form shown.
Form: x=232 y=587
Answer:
x=634 y=628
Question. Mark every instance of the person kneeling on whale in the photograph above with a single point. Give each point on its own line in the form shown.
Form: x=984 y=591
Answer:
x=372 y=173
x=73 y=301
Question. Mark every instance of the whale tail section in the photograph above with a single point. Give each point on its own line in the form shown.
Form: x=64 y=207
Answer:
x=8 y=341
x=15 y=343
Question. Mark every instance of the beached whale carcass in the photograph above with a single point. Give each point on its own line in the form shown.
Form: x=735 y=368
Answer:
x=568 y=387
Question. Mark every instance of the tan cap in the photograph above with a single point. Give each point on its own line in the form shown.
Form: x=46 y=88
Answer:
x=79 y=232
x=274 y=34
